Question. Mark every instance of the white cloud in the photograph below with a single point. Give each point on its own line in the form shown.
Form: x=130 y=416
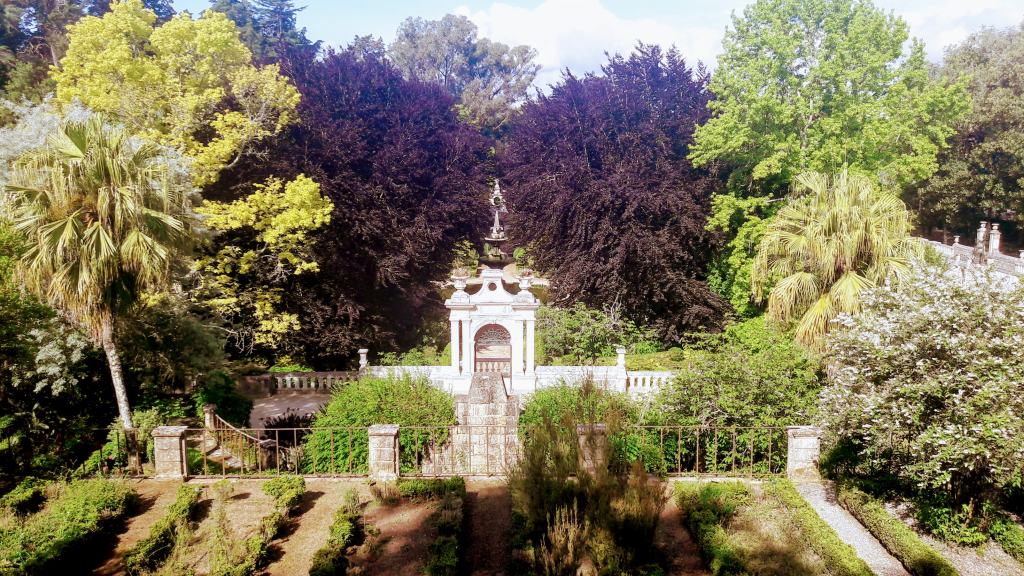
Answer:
x=575 y=34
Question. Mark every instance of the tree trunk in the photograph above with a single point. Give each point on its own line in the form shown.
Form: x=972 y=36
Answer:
x=123 y=409
x=114 y=360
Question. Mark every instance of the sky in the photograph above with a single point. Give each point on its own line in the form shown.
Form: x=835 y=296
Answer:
x=575 y=34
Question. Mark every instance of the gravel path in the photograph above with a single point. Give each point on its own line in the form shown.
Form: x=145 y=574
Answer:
x=682 y=557
x=155 y=496
x=821 y=497
x=488 y=528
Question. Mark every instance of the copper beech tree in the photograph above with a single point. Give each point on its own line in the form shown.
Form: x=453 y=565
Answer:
x=603 y=194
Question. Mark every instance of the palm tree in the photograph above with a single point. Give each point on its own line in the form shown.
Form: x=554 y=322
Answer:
x=104 y=219
x=838 y=236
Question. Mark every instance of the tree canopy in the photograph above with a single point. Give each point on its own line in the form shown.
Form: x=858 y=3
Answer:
x=822 y=85
x=189 y=84
x=981 y=175
x=602 y=192
x=407 y=182
x=489 y=78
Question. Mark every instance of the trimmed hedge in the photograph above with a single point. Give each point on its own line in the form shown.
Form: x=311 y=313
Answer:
x=346 y=530
x=67 y=524
x=839 y=557
x=148 y=554
x=706 y=508
x=902 y=542
x=444 y=552
x=287 y=491
x=431 y=488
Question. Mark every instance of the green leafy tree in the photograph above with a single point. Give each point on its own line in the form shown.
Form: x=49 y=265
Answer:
x=981 y=175
x=821 y=85
x=265 y=240
x=189 y=84
x=840 y=235
x=749 y=375
x=104 y=219
x=32 y=38
x=816 y=85
x=927 y=386
x=489 y=78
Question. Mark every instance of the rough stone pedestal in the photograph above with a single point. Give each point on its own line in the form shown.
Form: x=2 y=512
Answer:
x=383 y=452
x=593 y=454
x=803 y=453
x=210 y=416
x=169 y=452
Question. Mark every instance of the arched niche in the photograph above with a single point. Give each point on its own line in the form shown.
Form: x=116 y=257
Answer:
x=492 y=349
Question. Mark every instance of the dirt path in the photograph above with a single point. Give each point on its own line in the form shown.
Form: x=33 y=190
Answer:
x=155 y=497
x=488 y=528
x=293 y=553
x=682 y=557
x=405 y=536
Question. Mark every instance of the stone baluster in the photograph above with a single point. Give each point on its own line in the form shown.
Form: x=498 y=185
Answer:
x=994 y=239
x=363 y=361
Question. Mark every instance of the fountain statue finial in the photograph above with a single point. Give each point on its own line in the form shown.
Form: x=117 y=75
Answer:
x=498 y=206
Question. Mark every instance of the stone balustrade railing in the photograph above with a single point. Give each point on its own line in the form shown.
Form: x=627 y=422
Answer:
x=314 y=382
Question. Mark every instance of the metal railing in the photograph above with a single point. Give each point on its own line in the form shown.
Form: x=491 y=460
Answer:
x=707 y=450
x=478 y=450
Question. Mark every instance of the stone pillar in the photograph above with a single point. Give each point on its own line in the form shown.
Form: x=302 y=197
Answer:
x=531 y=348
x=518 y=357
x=993 y=239
x=455 y=328
x=593 y=439
x=383 y=452
x=620 y=368
x=363 y=361
x=804 y=450
x=467 y=347
x=956 y=239
x=169 y=452
x=210 y=416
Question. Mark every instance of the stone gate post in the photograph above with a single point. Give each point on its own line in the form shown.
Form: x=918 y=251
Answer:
x=169 y=452
x=593 y=444
x=804 y=450
x=383 y=452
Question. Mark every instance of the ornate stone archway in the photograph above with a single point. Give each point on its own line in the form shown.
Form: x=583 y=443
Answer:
x=492 y=350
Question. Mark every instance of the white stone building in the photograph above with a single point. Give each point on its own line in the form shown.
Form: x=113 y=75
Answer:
x=493 y=327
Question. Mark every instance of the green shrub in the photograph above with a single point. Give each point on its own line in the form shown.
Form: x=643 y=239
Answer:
x=403 y=400
x=116 y=448
x=585 y=333
x=443 y=557
x=287 y=491
x=919 y=558
x=443 y=554
x=65 y=526
x=706 y=508
x=346 y=530
x=839 y=557
x=26 y=497
x=219 y=388
x=1010 y=536
x=148 y=554
x=958 y=527
x=431 y=488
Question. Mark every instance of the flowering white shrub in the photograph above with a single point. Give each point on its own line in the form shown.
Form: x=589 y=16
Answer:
x=927 y=383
